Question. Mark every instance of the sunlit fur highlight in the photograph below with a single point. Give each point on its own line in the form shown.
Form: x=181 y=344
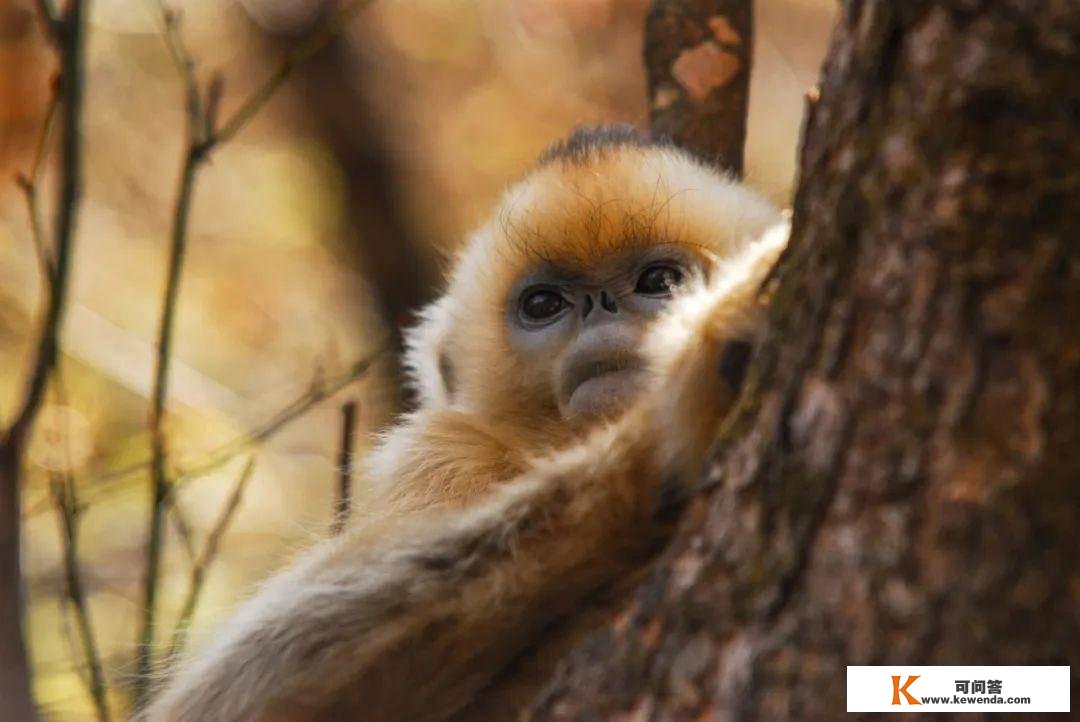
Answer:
x=485 y=520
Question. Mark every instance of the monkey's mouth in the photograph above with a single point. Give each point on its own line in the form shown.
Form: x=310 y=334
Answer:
x=604 y=386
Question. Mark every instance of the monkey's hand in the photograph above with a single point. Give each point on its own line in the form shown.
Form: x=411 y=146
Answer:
x=700 y=352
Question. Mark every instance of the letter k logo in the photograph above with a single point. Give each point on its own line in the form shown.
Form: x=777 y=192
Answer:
x=897 y=690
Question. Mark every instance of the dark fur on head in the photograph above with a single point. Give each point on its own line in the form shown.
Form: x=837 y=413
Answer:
x=584 y=142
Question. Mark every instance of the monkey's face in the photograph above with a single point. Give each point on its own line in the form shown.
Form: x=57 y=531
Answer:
x=585 y=326
x=547 y=307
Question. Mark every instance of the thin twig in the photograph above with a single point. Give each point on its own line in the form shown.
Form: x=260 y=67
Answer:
x=201 y=139
x=159 y=443
x=73 y=652
x=71 y=92
x=68 y=512
x=183 y=528
x=109 y=482
x=313 y=397
x=345 y=463
x=29 y=184
x=205 y=559
x=70 y=40
x=228 y=451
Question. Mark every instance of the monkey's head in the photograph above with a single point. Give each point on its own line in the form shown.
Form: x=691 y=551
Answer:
x=547 y=306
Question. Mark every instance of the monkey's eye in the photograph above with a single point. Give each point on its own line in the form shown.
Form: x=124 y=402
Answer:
x=658 y=280
x=542 y=304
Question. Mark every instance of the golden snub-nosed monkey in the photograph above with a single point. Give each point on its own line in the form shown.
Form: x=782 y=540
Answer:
x=591 y=336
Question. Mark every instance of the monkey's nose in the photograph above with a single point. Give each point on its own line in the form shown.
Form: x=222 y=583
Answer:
x=608 y=302
x=587 y=307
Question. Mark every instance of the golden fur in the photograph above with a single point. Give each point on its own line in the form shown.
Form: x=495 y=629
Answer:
x=488 y=516
x=576 y=211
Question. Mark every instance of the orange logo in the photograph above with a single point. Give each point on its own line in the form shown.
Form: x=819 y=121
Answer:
x=897 y=690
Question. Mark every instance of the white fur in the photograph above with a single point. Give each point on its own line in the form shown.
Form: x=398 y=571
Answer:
x=423 y=349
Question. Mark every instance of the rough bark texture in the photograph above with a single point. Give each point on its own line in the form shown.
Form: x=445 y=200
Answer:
x=697 y=58
x=901 y=480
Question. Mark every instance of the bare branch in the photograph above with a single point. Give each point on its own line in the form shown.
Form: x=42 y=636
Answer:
x=228 y=451
x=68 y=633
x=201 y=138
x=71 y=88
x=159 y=472
x=311 y=398
x=345 y=464
x=205 y=559
x=65 y=499
x=29 y=184
x=697 y=56
x=110 y=482
x=14 y=671
x=68 y=511
x=160 y=481
x=183 y=528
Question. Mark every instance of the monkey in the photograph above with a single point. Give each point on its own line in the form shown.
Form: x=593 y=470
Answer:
x=591 y=336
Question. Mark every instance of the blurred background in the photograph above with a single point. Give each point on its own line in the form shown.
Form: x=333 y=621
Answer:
x=313 y=233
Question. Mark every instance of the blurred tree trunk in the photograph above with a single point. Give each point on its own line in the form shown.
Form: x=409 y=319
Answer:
x=902 y=480
x=401 y=274
x=402 y=277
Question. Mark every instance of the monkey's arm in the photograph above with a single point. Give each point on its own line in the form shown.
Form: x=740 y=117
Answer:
x=407 y=618
x=407 y=621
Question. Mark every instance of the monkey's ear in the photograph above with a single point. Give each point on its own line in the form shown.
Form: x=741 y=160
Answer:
x=427 y=359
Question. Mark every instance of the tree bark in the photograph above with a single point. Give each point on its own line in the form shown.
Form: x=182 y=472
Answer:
x=697 y=58
x=901 y=479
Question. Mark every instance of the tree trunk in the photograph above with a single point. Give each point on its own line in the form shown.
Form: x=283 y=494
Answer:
x=901 y=480
x=697 y=59
x=401 y=275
